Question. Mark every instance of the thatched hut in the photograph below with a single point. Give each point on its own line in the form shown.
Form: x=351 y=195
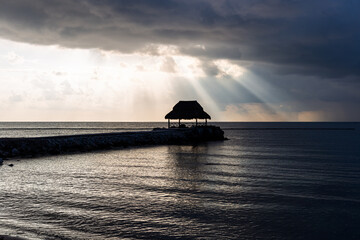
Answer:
x=187 y=110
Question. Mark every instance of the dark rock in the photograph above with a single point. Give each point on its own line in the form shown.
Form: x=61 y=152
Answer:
x=11 y=165
x=15 y=152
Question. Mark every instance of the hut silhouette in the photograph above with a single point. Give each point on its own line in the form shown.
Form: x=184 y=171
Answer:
x=187 y=110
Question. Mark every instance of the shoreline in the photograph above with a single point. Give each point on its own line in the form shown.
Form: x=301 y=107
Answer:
x=56 y=145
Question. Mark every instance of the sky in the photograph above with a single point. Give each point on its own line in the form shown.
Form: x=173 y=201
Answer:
x=133 y=60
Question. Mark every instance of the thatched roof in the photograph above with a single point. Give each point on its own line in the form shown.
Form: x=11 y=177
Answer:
x=187 y=110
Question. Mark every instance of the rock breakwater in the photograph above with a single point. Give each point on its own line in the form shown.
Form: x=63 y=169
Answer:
x=39 y=146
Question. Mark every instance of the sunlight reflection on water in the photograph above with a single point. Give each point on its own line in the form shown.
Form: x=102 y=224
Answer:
x=257 y=185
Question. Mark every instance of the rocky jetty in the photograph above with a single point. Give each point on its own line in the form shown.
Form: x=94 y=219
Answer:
x=39 y=146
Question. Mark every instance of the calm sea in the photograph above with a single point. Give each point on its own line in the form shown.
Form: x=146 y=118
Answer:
x=269 y=181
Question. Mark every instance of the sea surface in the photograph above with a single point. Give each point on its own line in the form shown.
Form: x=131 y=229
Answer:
x=268 y=181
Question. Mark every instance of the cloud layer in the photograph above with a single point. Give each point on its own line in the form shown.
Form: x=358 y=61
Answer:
x=305 y=37
x=308 y=51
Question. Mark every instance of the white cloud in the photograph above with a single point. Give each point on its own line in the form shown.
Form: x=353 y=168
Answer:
x=168 y=65
x=76 y=82
x=14 y=58
x=16 y=98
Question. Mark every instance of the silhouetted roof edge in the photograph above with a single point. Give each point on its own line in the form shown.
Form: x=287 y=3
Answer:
x=187 y=110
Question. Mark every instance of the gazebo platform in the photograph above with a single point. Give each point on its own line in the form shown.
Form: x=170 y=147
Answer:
x=187 y=110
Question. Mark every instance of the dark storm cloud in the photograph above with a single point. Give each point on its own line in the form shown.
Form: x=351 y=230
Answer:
x=297 y=37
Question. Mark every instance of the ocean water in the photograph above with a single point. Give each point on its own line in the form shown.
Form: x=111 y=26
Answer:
x=268 y=181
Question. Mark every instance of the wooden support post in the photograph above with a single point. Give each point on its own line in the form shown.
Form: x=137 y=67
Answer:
x=169 y=123
x=179 y=122
x=205 y=122
x=196 y=121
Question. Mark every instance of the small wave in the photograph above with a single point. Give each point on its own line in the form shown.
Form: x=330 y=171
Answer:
x=4 y=237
